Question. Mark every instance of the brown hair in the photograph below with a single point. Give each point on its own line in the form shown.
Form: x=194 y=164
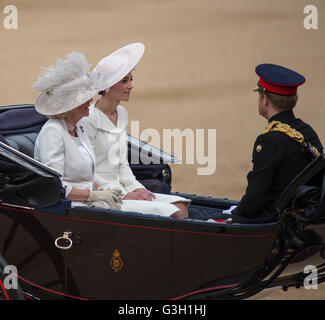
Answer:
x=281 y=102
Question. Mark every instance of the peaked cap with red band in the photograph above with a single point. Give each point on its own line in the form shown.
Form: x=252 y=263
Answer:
x=278 y=80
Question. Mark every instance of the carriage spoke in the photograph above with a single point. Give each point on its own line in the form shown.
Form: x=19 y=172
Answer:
x=29 y=258
x=10 y=237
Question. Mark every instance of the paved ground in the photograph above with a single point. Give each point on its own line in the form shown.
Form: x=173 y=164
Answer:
x=197 y=71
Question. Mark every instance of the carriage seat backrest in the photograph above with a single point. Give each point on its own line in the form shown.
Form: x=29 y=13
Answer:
x=19 y=128
x=24 y=142
x=309 y=200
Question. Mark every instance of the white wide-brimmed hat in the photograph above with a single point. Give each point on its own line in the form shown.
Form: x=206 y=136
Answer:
x=120 y=62
x=67 y=85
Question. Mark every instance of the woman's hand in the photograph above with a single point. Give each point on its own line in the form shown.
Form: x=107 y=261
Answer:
x=112 y=197
x=140 y=194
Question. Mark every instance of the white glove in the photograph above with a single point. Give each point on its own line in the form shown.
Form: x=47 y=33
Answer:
x=229 y=210
x=112 y=197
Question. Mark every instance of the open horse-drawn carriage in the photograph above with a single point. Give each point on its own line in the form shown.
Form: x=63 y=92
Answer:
x=64 y=252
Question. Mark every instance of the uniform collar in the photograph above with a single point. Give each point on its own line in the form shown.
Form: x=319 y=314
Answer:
x=284 y=116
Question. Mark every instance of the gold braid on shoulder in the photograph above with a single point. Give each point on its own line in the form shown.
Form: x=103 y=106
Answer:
x=292 y=133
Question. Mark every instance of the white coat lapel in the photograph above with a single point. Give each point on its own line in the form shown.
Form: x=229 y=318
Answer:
x=103 y=122
x=85 y=142
x=106 y=125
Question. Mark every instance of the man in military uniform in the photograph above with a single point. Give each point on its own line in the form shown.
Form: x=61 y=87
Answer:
x=281 y=150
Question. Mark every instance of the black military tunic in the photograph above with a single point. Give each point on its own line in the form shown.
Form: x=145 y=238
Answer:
x=277 y=160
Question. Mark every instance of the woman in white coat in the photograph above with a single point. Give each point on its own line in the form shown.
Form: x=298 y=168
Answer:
x=106 y=127
x=62 y=144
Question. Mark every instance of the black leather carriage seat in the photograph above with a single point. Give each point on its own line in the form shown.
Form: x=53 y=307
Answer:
x=19 y=128
x=23 y=142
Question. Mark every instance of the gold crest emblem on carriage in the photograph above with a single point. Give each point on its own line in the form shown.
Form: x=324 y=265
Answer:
x=116 y=261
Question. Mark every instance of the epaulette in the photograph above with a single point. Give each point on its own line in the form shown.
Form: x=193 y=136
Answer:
x=293 y=134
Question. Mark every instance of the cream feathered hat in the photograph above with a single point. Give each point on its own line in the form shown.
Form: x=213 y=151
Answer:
x=120 y=62
x=67 y=85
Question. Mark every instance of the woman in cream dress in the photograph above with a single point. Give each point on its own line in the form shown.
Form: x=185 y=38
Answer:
x=106 y=127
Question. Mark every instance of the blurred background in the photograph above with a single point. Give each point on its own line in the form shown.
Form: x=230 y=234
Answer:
x=198 y=70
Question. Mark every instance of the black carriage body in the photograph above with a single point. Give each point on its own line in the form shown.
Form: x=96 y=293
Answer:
x=128 y=255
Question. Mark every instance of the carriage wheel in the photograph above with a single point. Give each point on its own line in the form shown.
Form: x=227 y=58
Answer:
x=41 y=253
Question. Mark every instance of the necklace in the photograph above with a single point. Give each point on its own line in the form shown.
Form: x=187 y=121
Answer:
x=113 y=117
x=103 y=108
x=71 y=128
